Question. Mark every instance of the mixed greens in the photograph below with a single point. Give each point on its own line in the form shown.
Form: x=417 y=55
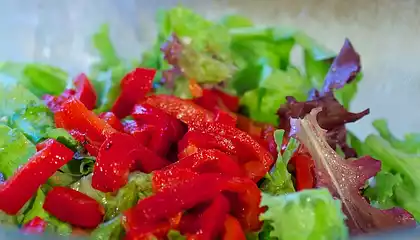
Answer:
x=315 y=188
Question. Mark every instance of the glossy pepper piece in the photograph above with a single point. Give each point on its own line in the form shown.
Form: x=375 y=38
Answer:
x=207 y=161
x=85 y=91
x=304 y=171
x=134 y=87
x=167 y=129
x=142 y=132
x=73 y=115
x=241 y=192
x=225 y=118
x=149 y=231
x=112 y=120
x=170 y=177
x=115 y=159
x=18 y=189
x=35 y=226
x=247 y=149
x=213 y=218
x=74 y=207
x=213 y=99
x=233 y=229
x=247 y=125
x=184 y=110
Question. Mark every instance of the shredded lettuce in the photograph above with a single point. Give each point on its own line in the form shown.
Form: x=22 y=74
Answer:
x=309 y=214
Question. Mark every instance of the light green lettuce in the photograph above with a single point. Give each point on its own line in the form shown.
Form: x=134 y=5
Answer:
x=306 y=215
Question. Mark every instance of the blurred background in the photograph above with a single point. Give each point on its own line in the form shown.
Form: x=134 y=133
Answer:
x=385 y=32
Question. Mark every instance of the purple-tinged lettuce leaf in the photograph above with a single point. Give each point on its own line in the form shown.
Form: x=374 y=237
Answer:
x=333 y=118
x=344 y=179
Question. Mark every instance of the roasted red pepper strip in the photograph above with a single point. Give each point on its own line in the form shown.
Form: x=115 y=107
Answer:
x=85 y=91
x=195 y=140
x=167 y=128
x=242 y=192
x=134 y=86
x=142 y=132
x=230 y=101
x=115 y=159
x=209 y=160
x=74 y=207
x=149 y=231
x=304 y=171
x=112 y=120
x=247 y=125
x=233 y=229
x=246 y=147
x=184 y=110
x=226 y=118
x=166 y=179
x=18 y=189
x=245 y=197
x=36 y=225
x=147 y=161
x=213 y=218
x=73 y=115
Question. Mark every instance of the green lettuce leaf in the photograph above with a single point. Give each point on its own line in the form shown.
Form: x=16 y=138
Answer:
x=398 y=183
x=15 y=150
x=110 y=230
x=279 y=181
x=262 y=103
x=410 y=143
x=40 y=79
x=138 y=187
x=309 y=214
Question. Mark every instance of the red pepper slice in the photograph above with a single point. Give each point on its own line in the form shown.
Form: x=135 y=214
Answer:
x=74 y=207
x=18 y=189
x=242 y=192
x=304 y=171
x=134 y=87
x=85 y=91
x=147 y=161
x=167 y=128
x=115 y=159
x=245 y=197
x=247 y=125
x=213 y=218
x=209 y=160
x=233 y=229
x=142 y=132
x=73 y=115
x=230 y=101
x=184 y=110
x=226 y=118
x=163 y=180
x=149 y=231
x=112 y=120
x=35 y=226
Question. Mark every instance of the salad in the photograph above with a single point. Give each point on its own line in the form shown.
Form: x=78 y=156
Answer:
x=213 y=134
